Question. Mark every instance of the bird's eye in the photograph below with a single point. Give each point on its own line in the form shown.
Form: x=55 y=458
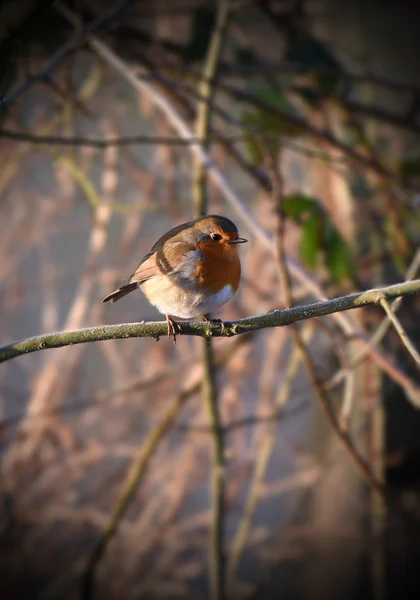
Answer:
x=216 y=237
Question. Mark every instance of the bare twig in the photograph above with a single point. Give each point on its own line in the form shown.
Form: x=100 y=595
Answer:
x=215 y=138
x=368 y=163
x=206 y=90
x=65 y=50
x=209 y=386
x=222 y=183
x=358 y=460
x=134 y=478
x=157 y=329
x=52 y=377
x=400 y=331
x=262 y=461
x=216 y=175
x=131 y=485
x=216 y=551
x=379 y=334
x=348 y=399
x=100 y=144
x=265 y=67
x=138 y=470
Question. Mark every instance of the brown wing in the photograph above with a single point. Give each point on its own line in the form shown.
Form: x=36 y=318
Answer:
x=146 y=269
x=155 y=263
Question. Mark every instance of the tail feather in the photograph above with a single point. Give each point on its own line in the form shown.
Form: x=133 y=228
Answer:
x=121 y=292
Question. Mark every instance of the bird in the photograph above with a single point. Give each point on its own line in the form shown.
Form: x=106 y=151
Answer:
x=192 y=270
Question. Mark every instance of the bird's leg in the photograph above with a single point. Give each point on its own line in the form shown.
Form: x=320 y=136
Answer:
x=172 y=327
x=215 y=321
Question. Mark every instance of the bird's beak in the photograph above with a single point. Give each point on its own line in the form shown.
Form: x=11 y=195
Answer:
x=238 y=241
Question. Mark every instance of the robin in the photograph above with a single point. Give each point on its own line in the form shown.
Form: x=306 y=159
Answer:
x=191 y=270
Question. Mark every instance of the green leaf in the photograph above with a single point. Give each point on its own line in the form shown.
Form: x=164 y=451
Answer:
x=337 y=255
x=262 y=121
x=201 y=31
x=310 y=241
x=275 y=99
x=278 y=123
x=265 y=122
x=266 y=125
x=280 y=102
x=319 y=235
x=298 y=205
x=255 y=154
x=399 y=263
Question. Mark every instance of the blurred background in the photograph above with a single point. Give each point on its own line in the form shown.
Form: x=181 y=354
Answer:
x=110 y=450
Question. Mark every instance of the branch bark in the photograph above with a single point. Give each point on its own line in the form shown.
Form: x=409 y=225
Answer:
x=277 y=318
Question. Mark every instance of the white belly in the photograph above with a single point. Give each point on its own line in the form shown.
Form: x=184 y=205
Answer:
x=185 y=304
x=215 y=301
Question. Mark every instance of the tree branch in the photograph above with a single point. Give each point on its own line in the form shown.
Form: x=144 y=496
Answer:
x=101 y=143
x=407 y=343
x=359 y=461
x=209 y=387
x=158 y=329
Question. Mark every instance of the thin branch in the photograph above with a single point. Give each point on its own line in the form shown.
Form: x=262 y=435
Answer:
x=215 y=138
x=220 y=181
x=214 y=172
x=323 y=135
x=348 y=399
x=343 y=437
x=138 y=470
x=360 y=159
x=209 y=386
x=251 y=421
x=231 y=69
x=159 y=329
x=400 y=331
x=358 y=460
x=373 y=112
x=64 y=51
x=262 y=460
x=216 y=550
x=261 y=68
x=134 y=478
x=380 y=332
x=296 y=121
x=206 y=90
x=17 y=22
x=22 y=136
x=395 y=222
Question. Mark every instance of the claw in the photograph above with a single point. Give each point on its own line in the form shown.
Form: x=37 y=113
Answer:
x=215 y=322
x=172 y=327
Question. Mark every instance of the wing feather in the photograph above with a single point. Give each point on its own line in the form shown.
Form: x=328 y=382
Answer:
x=166 y=260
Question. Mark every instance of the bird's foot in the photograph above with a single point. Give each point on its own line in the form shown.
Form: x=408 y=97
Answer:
x=173 y=327
x=215 y=322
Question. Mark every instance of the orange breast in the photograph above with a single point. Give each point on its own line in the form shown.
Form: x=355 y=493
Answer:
x=221 y=267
